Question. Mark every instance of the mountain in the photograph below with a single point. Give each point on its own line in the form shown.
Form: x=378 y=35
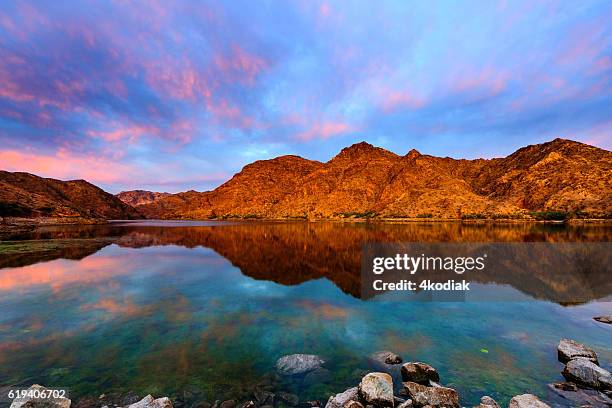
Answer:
x=29 y=196
x=140 y=197
x=363 y=180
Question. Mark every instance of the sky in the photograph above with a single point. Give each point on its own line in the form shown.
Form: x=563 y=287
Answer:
x=176 y=95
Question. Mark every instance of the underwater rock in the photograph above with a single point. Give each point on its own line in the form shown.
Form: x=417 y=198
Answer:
x=295 y=364
x=488 y=402
x=338 y=400
x=386 y=357
x=150 y=402
x=604 y=319
x=30 y=402
x=581 y=396
x=587 y=373
x=569 y=349
x=527 y=401
x=377 y=389
x=438 y=396
x=318 y=376
x=420 y=373
x=228 y=404
x=288 y=399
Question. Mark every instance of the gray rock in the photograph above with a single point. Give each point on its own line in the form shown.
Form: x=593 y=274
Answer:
x=339 y=400
x=150 y=402
x=527 y=401
x=569 y=349
x=604 y=319
x=405 y=404
x=587 y=373
x=377 y=389
x=353 y=404
x=28 y=402
x=577 y=396
x=423 y=395
x=386 y=357
x=420 y=373
x=488 y=402
x=295 y=364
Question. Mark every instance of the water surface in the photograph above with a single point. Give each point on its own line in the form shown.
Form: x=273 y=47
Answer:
x=201 y=311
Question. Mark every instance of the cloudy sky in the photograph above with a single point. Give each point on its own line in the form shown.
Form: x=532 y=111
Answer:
x=173 y=95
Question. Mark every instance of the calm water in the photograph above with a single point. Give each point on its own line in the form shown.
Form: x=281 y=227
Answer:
x=203 y=310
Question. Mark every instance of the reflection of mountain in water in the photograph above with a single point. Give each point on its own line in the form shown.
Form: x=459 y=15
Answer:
x=292 y=253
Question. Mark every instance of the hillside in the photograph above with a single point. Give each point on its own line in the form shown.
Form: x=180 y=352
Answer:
x=363 y=180
x=29 y=196
x=140 y=197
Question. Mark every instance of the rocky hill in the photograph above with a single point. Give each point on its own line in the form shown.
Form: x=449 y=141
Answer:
x=140 y=197
x=28 y=196
x=367 y=181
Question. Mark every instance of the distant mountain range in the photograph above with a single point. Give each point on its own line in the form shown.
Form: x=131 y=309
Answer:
x=362 y=181
x=367 y=181
x=28 y=196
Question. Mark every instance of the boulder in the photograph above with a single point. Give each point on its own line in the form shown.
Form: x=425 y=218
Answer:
x=604 y=319
x=488 y=402
x=386 y=357
x=439 y=396
x=353 y=404
x=150 y=402
x=587 y=373
x=406 y=404
x=296 y=364
x=527 y=401
x=420 y=373
x=377 y=389
x=28 y=402
x=579 y=397
x=339 y=400
x=569 y=349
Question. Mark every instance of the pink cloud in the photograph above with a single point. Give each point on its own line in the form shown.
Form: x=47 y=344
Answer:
x=325 y=130
x=66 y=165
x=489 y=80
x=130 y=133
x=397 y=99
x=240 y=65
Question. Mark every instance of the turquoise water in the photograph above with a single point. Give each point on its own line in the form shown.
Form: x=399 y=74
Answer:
x=172 y=309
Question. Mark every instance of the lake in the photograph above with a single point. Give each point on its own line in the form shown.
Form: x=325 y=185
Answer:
x=202 y=310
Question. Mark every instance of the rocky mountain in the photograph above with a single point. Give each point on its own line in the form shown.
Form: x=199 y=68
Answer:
x=364 y=181
x=29 y=196
x=140 y=197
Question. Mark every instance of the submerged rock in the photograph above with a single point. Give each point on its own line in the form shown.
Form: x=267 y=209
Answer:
x=488 y=402
x=295 y=364
x=527 y=401
x=420 y=373
x=604 y=319
x=386 y=357
x=569 y=349
x=288 y=399
x=339 y=400
x=377 y=389
x=150 y=402
x=29 y=402
x=587 y=373
x=438 y=396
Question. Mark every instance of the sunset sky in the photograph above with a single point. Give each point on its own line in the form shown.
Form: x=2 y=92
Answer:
x=176 y=95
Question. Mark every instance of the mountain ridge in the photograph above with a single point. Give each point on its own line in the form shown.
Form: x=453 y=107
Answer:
x=365 y=180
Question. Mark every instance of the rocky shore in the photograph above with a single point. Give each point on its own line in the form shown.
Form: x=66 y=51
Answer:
x=397 y=385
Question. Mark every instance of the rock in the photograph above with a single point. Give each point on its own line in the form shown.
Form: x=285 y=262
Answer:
x=488 y=402
x=28 y=402
x=569 y=349
x=289 y=399
x=228 y=404
x=420 y=373
x=581 y=396
x=405 y=404
x=247 y=404
x=377 y=389
x=353 y=404
x=527 y=401
x=386 y=357
x=422 y=395
x=150 y=402
x=604 y=319
x=587 y=373
x=263 y=397
x=339 y=400
x=295 y=364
